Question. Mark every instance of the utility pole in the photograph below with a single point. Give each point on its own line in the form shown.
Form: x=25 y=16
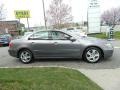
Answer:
x=28 y=24
x=44 y=14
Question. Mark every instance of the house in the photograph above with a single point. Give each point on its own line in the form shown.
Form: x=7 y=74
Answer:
x=12 y=27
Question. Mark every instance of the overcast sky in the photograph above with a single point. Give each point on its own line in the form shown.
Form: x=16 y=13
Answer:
x=79 y=9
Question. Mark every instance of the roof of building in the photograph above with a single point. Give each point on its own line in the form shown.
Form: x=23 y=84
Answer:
x=10 y=22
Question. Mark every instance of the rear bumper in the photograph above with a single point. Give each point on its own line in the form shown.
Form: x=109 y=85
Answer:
x=12 y=53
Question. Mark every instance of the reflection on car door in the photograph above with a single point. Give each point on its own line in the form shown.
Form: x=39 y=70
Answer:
x=62 y=46
x=40 y=44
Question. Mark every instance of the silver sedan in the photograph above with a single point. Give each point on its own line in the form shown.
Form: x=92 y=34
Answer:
x=59 y=44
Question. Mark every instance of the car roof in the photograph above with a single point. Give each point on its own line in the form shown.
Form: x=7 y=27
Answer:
x=51 y=30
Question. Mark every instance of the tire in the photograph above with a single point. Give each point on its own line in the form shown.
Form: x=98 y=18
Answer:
x=92 y=55
x=25 y=56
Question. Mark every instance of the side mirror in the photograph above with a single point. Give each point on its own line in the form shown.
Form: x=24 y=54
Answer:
x=30 y=38
x=72 y=39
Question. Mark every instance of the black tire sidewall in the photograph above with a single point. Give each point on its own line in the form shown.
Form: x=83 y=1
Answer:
x=30 y=55
x=84 y=55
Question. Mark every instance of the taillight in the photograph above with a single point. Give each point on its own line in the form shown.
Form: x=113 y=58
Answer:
x=10 y=44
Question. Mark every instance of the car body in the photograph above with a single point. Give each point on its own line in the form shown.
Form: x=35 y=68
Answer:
x=5 y=39
x=59 y=44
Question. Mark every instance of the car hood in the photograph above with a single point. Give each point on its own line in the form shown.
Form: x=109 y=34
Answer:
x=92 y=40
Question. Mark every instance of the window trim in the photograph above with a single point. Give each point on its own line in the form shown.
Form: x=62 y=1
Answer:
x=29 y=38
x=49 y=36
x=60 y=32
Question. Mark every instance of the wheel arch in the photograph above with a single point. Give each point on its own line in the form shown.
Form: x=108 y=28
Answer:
x=24 y=49
x=95 y=47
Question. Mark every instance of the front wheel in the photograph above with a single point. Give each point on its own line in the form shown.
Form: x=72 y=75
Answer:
x=92 y=54
x=25 y=56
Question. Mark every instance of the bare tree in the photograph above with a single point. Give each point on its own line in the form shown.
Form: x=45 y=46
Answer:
x=111 y=17
x=59 y=14
x=2 y=17
x=2 y=12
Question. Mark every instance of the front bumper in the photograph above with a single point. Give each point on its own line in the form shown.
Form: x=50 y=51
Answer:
x=108 y=53
x=12 y=53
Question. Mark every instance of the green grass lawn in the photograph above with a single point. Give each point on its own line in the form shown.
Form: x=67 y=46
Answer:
x=99 y=35
x=44 y=79
x=103 y=35
x=117 y=35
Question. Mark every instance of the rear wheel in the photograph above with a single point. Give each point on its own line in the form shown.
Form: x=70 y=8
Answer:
x=92 y=54
x=25 y=56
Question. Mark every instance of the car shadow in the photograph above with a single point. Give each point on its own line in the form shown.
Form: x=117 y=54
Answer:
x=57 y=59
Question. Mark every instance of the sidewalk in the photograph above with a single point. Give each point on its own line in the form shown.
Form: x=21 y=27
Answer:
x=108 y=79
